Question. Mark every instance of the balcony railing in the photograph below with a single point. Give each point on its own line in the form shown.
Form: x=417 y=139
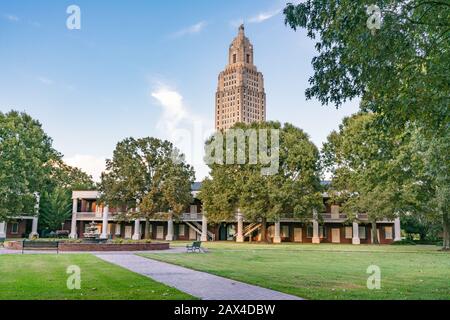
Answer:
x=192 y=216
x=334 y=216
x=361 y=216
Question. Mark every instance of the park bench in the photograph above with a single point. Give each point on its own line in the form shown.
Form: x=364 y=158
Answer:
x=40 y=245
x=195 y=246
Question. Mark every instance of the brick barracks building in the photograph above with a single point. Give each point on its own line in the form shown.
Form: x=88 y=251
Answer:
x=193 y=225
x=240 y=98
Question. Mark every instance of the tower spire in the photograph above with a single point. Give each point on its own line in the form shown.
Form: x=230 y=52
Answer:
x=240 y=95
x=241 y=29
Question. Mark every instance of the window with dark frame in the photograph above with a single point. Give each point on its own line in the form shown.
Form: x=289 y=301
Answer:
x=348 y=232
x=362 y=232
x=14 y=227
x=309 y=231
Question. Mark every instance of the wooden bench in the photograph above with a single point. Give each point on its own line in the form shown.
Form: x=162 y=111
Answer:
x=195 y=246
x=40 y=245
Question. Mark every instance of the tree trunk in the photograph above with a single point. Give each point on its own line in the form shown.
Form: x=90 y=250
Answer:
x=147 y=229
x=374 y=233
x=263 y=230
x=446 y=232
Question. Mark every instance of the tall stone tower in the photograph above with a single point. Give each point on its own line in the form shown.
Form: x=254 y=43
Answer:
x=240 y=93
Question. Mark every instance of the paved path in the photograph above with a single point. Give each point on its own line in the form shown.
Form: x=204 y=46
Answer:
x=198 y=284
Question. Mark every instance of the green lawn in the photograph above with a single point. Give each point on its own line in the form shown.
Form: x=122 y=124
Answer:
x=44 y=277
x=327 y=271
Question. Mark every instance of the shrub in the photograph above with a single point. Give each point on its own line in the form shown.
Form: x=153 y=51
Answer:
x=404 y=242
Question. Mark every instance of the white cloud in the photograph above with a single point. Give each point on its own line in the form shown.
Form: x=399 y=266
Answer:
x=263 y=16
x=45 y=80
x=196 y=28
x=178 y=124
x=11 y=17
x=90 y=164
x=173 y=109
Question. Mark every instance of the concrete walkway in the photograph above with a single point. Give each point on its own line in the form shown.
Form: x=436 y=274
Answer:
x=198 y=284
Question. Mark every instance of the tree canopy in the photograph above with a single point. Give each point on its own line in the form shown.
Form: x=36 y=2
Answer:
x=26 y=157
x=401 y=71
x=56 y=196
x=292 y=191
x=381 y=174
x=145 y=178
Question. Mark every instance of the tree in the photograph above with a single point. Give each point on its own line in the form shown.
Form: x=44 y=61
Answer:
x=399 y=71
x=293 y=190
x=55 y=201
x=26 y=156
x=435 y=167
x=422 y=225
x=55 y=208
x=373 y=172
x=146 y=178
x=69 y=178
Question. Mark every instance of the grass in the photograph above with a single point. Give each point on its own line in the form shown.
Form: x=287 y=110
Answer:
x=327 y=271
x=44 y=277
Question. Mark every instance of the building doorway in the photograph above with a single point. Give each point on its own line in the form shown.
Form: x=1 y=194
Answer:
x=128 y=231
x=298 y=235
x=223 y=232
x=336 y=235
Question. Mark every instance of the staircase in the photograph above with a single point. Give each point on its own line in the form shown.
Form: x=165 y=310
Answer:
x=249 y=229
x=197 y=227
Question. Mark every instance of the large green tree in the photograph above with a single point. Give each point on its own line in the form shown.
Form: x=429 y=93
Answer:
x=399 y=70
x=26 y=157
x=146 y=178
x=292 y=190
x=55 y=197
x=376 y=173
x=55 y=208
x=435 y=166
x=360 y=159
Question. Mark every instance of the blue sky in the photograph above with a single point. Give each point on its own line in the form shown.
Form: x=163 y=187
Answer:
x=147 y=68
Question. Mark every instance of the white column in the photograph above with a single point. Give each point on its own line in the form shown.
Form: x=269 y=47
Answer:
x=34 y=227
x=2 y=231
x=104 y=234
x=240 y=227
x=137 y=230
x=169 y=236
x=397 y=234
x=73 y=226
x=204 y=236
x=277 y=237
x=355 y=239
x=315 y=238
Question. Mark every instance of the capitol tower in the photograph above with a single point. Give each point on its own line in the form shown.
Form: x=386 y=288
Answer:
x=240 y=93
